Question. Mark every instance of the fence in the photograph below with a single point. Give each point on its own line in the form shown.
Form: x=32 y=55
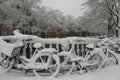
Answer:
x=28 y=49
x=79 y=46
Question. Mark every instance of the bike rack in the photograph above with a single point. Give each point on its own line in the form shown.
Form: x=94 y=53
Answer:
x=27 y=50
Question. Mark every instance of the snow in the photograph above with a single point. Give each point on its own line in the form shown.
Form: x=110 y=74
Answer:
x=21 y=37
x=90 y=45
x=7 y=48
x=98 y=51
x=37 y=45
x=48 y=50
x=108 y=73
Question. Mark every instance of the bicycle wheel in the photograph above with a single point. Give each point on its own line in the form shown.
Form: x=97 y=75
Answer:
x=48 y=65
x=66 y=66
x=93 y=62
x=6 y=63
x=112 y=59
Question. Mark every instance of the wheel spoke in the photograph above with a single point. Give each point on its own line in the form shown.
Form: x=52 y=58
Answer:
x=50 y=66
x=6 y=64
x=94 y=61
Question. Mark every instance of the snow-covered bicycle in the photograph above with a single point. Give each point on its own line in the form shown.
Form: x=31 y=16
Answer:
x=110 y=56
x=44 y=62
x=72 y=62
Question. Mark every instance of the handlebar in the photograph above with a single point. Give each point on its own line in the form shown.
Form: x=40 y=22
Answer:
x=27 y=40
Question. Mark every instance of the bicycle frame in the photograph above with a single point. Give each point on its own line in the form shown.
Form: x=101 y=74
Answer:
x=70 y=56
x=107 y=51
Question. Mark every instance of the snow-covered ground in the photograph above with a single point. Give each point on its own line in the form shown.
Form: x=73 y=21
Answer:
x=111 y=72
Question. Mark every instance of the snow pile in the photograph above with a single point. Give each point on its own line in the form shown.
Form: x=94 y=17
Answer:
x=22 y=37
x=17 y=39
x=7 y=48
x=84 y=39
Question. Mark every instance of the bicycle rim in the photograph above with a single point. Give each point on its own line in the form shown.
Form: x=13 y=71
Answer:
x=6 y=63
x=52 y=65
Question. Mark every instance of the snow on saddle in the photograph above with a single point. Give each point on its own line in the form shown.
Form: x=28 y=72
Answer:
x=48 y=50
x=37 y=45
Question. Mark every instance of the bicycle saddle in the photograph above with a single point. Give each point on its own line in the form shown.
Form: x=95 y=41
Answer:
x=37 y=45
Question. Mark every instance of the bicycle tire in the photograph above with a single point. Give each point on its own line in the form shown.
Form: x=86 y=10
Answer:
x=6 y=64
x=93 y=62
x=53 y=67
x=111 y=55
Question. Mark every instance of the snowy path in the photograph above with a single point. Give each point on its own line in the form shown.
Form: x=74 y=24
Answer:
x=111 y=72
